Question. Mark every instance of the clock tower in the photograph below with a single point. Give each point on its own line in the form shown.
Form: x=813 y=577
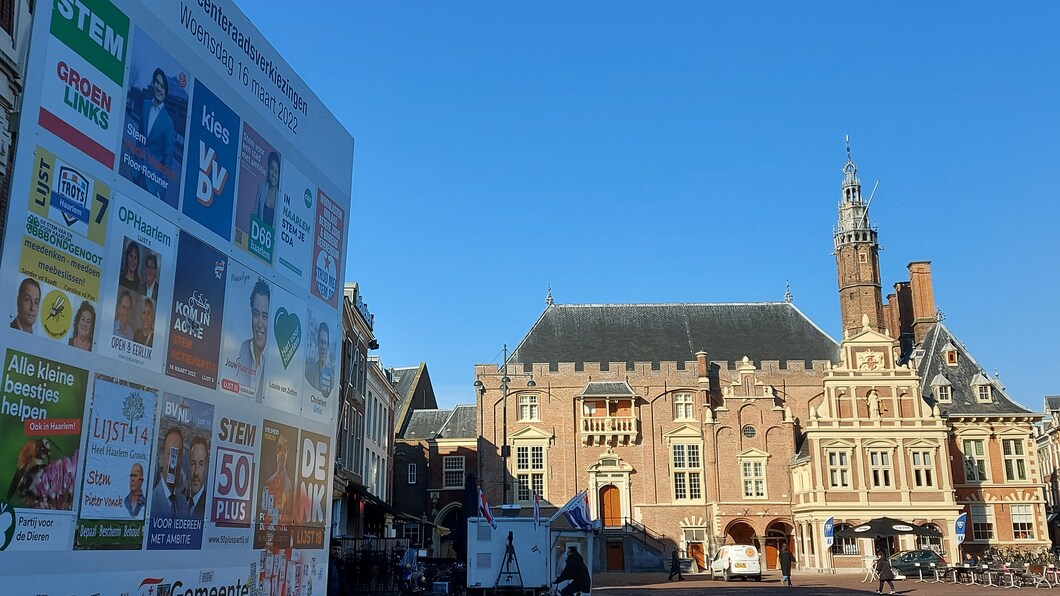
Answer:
x=857 y=253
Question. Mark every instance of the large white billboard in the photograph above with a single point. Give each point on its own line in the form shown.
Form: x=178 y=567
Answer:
x=171 y=274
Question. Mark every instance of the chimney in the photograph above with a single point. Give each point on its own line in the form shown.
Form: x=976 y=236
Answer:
x=890 y=316
x=702 y=365
x=923 y=299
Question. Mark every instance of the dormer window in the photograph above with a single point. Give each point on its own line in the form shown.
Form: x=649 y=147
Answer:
x=982 y=388
x=943 y=394
x=941 y=388
x=983 y=392
x=949 y=352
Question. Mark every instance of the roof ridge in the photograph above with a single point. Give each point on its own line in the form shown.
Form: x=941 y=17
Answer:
x=593 y=305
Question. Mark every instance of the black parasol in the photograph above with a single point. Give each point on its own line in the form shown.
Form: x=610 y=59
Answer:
x=885 y=527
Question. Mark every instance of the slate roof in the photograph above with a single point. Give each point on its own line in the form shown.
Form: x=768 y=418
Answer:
x=1052 y=403
x=961 y=377
x=403 y=379
x=458 y=423
x=631 y=333
x=425 y=424
x=607 y=388
x=461 y=424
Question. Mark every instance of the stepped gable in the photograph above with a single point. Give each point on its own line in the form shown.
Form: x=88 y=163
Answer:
x=961 y=377
x=631 y=333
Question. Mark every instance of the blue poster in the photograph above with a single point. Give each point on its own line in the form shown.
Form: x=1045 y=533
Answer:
x=198 y=305
x=178 y=488
x=213 y=155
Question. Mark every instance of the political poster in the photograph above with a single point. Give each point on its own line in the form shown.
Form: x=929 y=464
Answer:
x=327 y=249
x=160 y=143
x=198 y=308
x=245 y=341
x=85 y=72
x=284 y=362
x=42 y=403
x=156 y=116
x=294 y=237
x=314 y=490
x=121 y=435
x=139 y=290
x=275 y=511
x=179 y=481
x=213 y=156
x=234 y=471
x=321 y=346
x=260 y=197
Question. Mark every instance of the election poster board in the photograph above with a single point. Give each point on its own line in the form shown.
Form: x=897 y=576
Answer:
x=171 y=271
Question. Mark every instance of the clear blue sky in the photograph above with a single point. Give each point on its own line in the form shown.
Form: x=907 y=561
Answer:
x=631 y=152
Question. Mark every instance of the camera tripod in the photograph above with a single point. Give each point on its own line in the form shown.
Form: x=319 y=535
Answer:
x=507 y=562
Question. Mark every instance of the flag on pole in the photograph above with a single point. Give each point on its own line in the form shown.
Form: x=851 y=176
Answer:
x=537 y=509
x=829 y=532
x=484 y=509
x=577 y=511
x=960 y=527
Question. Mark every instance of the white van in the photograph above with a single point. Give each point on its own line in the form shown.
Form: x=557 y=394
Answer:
x=736 y=560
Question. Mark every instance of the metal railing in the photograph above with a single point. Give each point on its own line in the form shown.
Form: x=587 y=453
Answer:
x=633 y=527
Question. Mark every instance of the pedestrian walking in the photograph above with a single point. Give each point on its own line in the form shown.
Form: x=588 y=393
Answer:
x=786 y=559
x=336 y=570
x=675 y=567
x=884 y=572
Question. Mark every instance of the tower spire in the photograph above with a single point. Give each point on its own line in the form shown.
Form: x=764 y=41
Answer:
x=857 y=256
x=548 y=297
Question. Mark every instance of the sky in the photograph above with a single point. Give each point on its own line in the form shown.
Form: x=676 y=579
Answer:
x=655 y=152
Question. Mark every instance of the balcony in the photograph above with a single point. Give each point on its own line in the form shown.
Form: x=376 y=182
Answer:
x=600 y=430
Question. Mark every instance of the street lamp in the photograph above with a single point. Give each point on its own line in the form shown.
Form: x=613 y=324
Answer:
x=505 y=449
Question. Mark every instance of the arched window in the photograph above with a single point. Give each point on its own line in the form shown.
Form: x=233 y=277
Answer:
x=844 y=546
x=931 y=542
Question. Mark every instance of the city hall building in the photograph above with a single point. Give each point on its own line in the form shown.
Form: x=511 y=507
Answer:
x=697 y=425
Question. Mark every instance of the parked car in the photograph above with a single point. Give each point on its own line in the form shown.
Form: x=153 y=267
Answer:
x=904 y=562
x=736 y=560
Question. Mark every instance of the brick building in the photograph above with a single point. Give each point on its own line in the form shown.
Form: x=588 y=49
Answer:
x=696 y=425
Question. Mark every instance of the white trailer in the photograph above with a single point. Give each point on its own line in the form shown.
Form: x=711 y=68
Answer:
x=539 y=550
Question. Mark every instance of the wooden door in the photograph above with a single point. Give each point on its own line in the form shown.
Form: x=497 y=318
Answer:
x=771 y=554
x=611 y=506
x=615 y=556
x=695 y=550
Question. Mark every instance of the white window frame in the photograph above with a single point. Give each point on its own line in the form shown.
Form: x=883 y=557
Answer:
x=1022 y=521
x=531 y=462
x=922 y=464
x=983 y=394
x=838 y=468
x=753 y=478
x=880 y=468
x=844 y=545
x=412 y=474
x=529 y=408
x=975 y=461
x=684 y=406
x=1015 y=457
x=686 y=462
x=944 y=394
x=982 y=517
x=450 y=464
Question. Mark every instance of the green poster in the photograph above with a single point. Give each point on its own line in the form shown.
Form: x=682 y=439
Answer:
x=96 y=30
x=41 y=406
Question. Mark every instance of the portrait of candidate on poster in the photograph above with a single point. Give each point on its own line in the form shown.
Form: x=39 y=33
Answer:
x=178 y=486
x=321 y=381
x=259 y=202
x=156 y=115
x=136 y=305
x=117 y=457
x=245 y=335
x=276 y=484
